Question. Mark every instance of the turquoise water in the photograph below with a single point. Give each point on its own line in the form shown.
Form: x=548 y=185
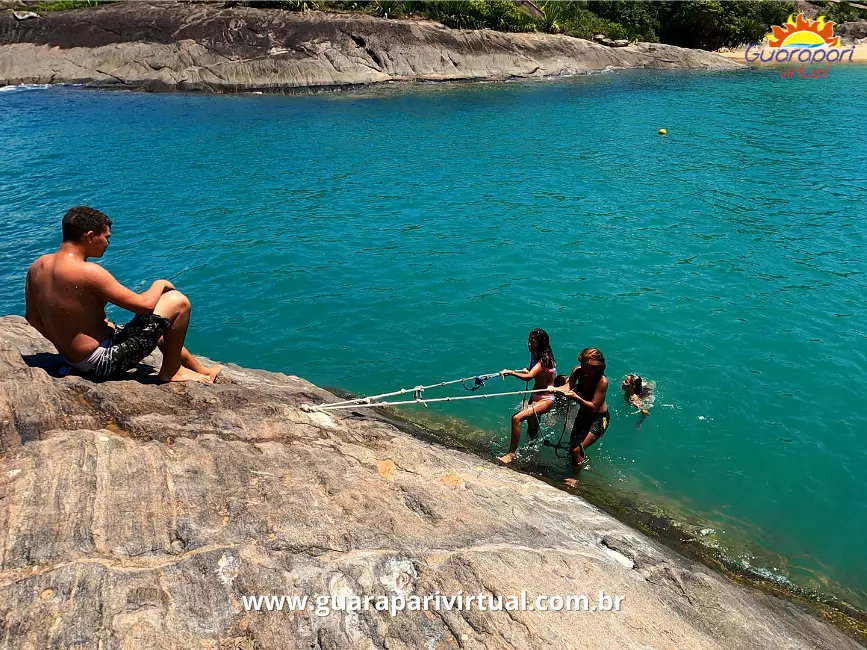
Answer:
x=409 y=235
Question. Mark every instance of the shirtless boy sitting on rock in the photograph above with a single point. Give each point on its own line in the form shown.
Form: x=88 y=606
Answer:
x=66 y=297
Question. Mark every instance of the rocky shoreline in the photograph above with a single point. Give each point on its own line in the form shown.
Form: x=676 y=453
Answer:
x=203 y=47
x=680 y=531
x=139 y=515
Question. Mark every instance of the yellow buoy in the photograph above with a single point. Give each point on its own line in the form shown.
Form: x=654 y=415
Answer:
x=662 y=131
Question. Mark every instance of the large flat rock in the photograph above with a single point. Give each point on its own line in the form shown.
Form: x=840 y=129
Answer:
x=137 y=515
x=204 y=47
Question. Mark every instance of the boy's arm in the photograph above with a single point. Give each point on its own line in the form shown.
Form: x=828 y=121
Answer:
x=598 y=398
x=102 y=283
x=638 y=403
x=568 y=389
x=30 y=311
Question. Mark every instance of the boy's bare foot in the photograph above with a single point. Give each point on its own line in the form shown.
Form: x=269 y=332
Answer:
x=508 y=458
x=213 y=372
x=185 y=374
x=571 y=482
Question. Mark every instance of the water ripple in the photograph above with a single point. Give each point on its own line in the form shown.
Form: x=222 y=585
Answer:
x=391 y=237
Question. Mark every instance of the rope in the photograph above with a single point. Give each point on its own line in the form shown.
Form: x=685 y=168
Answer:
x=142 y=283
x=560 y=446
x=334 y=406
x=418 y=390
x=479 y=382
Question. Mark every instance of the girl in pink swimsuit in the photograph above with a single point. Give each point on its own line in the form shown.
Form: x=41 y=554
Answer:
x=542 y=369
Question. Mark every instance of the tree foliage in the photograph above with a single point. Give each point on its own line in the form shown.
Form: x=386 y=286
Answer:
x=711 y=24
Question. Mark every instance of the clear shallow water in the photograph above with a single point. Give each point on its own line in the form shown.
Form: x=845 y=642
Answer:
x=402 y=236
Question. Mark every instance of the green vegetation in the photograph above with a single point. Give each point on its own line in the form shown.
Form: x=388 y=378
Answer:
x=65 y=5
x=842 y=12
x=711 y=24
x=575 y=19
x=502 y=15
x=706 y=24
x=635 y=20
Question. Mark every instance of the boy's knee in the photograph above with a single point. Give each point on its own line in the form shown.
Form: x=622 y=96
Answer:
x=183 y=301
x=178 y=299
x=517 y=419
x=173 y=302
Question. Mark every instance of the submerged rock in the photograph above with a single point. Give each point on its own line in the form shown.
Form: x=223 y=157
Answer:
x=159 y=46
x=137 y=515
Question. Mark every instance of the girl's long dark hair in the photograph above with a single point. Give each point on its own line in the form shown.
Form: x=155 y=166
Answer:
x=638 y=383
x=544 y=353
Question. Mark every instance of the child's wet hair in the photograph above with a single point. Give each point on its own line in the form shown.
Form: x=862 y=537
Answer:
x=544 y=353
x=636 y=382
x=560 y=380
x=592 y=357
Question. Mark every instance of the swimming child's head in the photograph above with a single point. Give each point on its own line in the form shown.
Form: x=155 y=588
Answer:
x=592 y=360
x=560 y=380
x=633 y=384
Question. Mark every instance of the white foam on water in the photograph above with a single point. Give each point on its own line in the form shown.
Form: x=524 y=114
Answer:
x=20 y=87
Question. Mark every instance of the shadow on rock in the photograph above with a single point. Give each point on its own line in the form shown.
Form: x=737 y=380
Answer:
x=57 y=367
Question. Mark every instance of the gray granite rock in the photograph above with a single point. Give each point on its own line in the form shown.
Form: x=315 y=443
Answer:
x=852 y=32
x=205 y=47
x=136 y=515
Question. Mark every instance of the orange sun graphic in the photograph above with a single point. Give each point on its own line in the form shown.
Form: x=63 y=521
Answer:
x=804 y=32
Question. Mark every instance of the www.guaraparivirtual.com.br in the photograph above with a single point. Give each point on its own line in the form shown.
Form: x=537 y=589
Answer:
x=323 y=605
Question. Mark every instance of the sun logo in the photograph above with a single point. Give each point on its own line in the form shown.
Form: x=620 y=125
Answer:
x=804 y=32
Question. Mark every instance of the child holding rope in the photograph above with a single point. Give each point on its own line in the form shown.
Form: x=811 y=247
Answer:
x=588 y=386
x=542 y=369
